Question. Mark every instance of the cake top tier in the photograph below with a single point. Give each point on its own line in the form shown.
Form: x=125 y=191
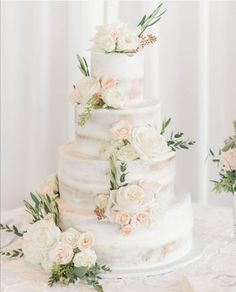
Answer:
x=115 y=78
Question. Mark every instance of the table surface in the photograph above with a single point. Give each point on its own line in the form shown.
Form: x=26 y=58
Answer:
x=215 y=271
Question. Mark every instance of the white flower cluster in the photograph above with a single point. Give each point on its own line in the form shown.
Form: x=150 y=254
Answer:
x=133 y=206
x=49 y=186
x=45 y=244
x=105 y=89
x=116 y=37
x=129 y=143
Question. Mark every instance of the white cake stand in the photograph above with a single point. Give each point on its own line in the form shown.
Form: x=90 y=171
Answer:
x=198 y=248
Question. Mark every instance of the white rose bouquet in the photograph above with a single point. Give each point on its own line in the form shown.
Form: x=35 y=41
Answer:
x=226 y=163
x=66 y=255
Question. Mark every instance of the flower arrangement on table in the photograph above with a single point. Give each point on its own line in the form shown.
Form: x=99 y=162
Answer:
x=226 y=163
x=105 y=92
x=134 y=206
x=67 y=256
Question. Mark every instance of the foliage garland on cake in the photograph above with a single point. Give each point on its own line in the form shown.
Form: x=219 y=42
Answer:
x=66 y=255
x=104 y=92
x=226 y=163
x=135 y=206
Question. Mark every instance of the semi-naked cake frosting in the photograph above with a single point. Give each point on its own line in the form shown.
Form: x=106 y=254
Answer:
x=117 y=178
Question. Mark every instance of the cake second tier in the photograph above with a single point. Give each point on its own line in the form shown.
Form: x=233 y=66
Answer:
x=91 y=137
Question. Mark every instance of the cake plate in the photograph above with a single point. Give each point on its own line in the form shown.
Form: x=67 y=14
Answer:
x=198 y=249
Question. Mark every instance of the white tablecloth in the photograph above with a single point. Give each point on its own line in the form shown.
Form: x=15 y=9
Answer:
x=215 y=271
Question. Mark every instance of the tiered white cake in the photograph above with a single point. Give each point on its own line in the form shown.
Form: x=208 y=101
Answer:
x=146 y=221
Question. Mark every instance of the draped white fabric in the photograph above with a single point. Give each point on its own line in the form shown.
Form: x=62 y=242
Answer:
x=192 y=69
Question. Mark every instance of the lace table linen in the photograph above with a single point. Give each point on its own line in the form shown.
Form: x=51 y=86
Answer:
x=215 y=271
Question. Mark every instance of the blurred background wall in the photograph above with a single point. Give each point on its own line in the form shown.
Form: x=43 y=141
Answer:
x=192 y=69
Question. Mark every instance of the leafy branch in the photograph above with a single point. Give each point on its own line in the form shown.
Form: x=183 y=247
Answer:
x=114 y=185
x=83 y=65
x=13 y=254
x=175 y=141
x=42 y=205
x=12 y=229
x=165 y=124
x=151 y=19
x=69 y=274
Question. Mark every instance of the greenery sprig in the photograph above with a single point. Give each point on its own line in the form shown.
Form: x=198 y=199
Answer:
x=69 y=274
x=93 y=104
x=175 y=141
x=83 y=65
x=115 y=182
x=12 y=229
x=151 y=19
x=41 y=206
x=13 y=253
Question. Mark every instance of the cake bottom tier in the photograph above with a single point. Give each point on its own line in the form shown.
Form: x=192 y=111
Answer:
x=168 y=241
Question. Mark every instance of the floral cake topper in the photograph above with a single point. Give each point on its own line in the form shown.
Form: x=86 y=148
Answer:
x=118 y=38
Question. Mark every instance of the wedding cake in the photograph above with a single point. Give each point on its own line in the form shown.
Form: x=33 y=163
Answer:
x=116 y=179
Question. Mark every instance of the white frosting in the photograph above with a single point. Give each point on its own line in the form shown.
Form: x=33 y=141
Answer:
x=165 y=242
x=128 y=70
x=92 y=136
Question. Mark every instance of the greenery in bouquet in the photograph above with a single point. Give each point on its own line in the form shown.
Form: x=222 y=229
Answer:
x=66 y=255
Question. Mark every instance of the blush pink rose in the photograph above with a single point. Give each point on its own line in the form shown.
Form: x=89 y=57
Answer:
x=139 y=219
x=142 y=218
x=86 y=241
x=126 y=230
x=108 y=82
x=122 y=218
x=228 y=159
x=121 y=130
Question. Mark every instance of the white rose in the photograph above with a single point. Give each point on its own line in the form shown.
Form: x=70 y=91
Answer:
x=49 y=186
x=147 y=142
x=61 y=254
x=46 y=264
x=32 y=254
x=101 y=201
x=43 y=234
x=121 y=130
x=114 y=98
x=126 y=153
x=85 y=258
x=85 y=89
x=130 y=199
x=127 y=41
x=70 y=236
x=157 y=211
x=86 y=241
x=106 y=37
